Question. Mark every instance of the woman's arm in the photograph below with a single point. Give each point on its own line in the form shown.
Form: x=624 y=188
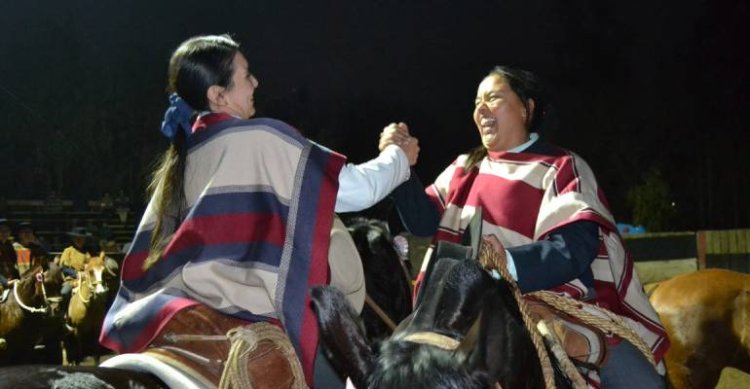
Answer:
x=418 y=213
x=565 y=255
x=362 y=186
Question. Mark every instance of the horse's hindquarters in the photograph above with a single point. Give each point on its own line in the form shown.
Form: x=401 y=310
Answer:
x=705 y=314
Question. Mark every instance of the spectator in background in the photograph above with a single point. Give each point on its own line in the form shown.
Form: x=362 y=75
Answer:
x=122 y=206
x=73 y=259
x=53 y=202
x=8 y=270
x=77 y=254
x=106 y=204
x=30 y=251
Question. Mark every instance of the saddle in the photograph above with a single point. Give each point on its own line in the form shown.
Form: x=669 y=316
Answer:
x=219 y=351
x=584 y=344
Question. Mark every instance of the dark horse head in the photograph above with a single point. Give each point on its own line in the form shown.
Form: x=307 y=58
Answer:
x=37 y=289
x=30 y=313
x=467 y=332
x=387 y=279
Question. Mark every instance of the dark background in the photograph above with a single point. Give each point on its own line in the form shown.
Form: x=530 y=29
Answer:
x=639 y=86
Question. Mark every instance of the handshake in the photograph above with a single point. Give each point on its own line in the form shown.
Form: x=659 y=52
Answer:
x=398 y=134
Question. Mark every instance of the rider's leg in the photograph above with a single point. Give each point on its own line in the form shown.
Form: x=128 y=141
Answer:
x=626 y=367
x=324 y=376
x=65 y=292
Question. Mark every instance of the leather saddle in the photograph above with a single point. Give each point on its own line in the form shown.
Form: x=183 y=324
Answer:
x=193 y=351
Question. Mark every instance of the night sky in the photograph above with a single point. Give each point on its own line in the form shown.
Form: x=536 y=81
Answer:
x=639 y=86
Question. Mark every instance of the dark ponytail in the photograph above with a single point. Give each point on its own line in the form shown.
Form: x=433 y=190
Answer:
x=196 y=65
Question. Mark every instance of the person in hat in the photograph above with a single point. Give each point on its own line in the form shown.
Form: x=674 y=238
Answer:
x=8 y=259
x=76 y=255
x=241 y=217
x=29 y=249
x=73 y=260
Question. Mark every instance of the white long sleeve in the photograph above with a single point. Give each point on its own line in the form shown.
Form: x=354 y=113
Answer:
x=362 y=186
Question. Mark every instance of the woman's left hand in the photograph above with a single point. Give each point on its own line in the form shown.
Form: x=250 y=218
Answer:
x=394 y=134
x=497 y=247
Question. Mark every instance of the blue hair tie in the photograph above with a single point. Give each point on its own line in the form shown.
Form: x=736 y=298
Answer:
x=176 y=116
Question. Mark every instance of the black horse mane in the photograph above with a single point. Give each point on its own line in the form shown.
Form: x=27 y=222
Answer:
x=404 y=364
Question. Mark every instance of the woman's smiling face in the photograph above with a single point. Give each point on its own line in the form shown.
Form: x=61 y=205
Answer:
x=500 y=115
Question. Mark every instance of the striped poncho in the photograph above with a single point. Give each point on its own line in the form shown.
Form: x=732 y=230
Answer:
x=525 y=196
x=252 y=241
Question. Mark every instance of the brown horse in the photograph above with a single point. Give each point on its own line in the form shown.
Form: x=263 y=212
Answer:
x=28 y=315
x=86 y=311
x=706 y=315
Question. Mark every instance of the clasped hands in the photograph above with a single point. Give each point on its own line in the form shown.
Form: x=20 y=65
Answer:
x=398 y=134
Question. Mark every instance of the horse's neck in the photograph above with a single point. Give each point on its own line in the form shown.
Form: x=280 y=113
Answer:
x=27 y=292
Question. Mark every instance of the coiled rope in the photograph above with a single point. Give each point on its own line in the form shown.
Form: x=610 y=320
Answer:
x=245 y=340
x=490 y=259
x=607 y=321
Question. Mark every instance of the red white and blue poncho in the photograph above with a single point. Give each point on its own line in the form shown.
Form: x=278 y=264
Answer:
x=252 y=241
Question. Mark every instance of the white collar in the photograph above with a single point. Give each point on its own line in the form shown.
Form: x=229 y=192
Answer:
x=533 y=137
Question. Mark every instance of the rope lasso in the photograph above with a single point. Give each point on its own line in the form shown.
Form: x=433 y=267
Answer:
x=79 y=292
x=244 y=340
x=611 y=322
x=606 y=321
x=562 y=357
x=490 y=259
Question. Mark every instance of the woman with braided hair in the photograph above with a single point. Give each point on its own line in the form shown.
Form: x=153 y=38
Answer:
x=241 y=218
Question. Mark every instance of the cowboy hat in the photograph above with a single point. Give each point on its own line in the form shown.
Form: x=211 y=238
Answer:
x=347 y=274
x=24 y=225
x=78 y=232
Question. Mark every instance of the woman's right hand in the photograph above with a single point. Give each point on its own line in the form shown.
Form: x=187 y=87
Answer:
x=411 y=148
x=398 y=134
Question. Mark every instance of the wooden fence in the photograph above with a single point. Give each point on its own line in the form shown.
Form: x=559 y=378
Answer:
x=661 y=256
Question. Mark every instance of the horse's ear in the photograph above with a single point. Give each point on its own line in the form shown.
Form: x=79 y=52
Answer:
x=342 y=335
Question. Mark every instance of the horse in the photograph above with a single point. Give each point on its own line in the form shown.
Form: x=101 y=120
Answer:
x=387 y=278
x=86 y=311
x=467 y=331
x=705 y=314
x=30 y=314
